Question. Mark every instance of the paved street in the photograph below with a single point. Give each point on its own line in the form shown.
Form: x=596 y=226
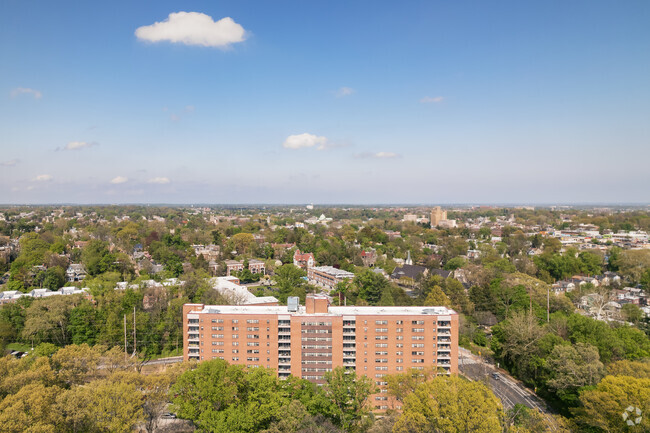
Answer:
x=508 y=389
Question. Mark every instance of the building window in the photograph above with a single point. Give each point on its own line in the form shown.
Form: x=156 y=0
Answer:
x=381 y=322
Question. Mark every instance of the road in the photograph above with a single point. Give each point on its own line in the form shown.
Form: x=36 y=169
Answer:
x=509 y=390
x=170 y=360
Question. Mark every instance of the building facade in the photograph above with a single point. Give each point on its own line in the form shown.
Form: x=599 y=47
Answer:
x=328 y=276
x=309 y=341
x=437 y=215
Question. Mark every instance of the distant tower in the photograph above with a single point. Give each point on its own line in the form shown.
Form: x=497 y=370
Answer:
x=409 y=260
x=437 y=215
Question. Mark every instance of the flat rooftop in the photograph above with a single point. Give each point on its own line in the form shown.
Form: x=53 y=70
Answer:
x=333 y=311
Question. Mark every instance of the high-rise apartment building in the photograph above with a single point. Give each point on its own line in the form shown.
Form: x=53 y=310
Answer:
x=437 y=215
x=308 y=341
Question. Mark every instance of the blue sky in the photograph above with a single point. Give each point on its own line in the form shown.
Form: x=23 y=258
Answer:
x=325 y=102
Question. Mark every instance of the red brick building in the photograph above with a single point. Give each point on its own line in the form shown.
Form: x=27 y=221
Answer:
x=308 y=341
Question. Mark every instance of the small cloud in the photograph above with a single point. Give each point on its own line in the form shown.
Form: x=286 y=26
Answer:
x=377 y=155
x=119 y=179
x=429 y=99
x=174 y=117
x=193 y=28
x=344 y=91
x=26 y=91
x=159 y=180
x=78 y=145
x=10 y=163
x=189 y=108
x=43 y=178
x=305 y=140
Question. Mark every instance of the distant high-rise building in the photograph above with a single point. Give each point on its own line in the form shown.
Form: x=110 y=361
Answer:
x=437 y=215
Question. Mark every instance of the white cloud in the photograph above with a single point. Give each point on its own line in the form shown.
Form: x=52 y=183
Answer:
x=42 y=178
x=174 y=117
x=193 y=28
x=10 y=163
x=429 y=99
x=344 y=91
x=159 y=180
x=77 y=145
x=26 y=91
x=119 y=179
x=377 y=155
x=189 y=108
x=305 y=140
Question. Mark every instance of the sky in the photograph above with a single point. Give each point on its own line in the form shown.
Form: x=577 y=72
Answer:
x=358 y=102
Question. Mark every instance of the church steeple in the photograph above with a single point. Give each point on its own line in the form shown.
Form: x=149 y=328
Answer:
x=408 y=261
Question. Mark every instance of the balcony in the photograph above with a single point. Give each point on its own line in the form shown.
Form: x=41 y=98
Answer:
x=193 y=337
x=193 y=329
x=284 y=330
x=284 y=345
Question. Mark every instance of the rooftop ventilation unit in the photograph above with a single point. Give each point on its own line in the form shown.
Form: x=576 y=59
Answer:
x=292 y=303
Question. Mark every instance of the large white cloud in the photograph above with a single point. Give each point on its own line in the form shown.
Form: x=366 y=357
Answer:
x=305 y=140
x=43 y=178
x=193 y=28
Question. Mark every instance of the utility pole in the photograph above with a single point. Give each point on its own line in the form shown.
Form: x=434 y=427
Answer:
x=125 y=338
x=548 y=304
x=135 y=346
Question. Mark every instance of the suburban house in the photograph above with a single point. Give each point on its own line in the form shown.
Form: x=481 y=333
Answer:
x=303 y=260
x=75 y=272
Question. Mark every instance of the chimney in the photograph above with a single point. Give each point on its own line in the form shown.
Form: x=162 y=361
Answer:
x=317 y=304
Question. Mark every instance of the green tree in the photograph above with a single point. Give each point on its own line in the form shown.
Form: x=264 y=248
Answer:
x=219 y=397
x=288 y=278
x=348 y=394
x=602 y=407
x=370 y=285
x=449 y=404
x=573 y=367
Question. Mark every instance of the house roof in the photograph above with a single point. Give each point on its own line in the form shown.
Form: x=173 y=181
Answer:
x=408 y=271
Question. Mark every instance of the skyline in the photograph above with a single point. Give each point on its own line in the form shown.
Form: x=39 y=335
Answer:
x=246 y=102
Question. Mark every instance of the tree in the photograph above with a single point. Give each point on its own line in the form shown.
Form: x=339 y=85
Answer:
x=242 y=242
x=297 y=419
x=47 y=319
x=640 y=369
x=29 y=410
x=631 y=313
x=115 y=406
x=370 y=285
x=219 y=397
x=288 y=278
x=602 y=408
x=573 y=367
x=74 y=364
x=437 y=297
x=449 y=404
x=348 y=394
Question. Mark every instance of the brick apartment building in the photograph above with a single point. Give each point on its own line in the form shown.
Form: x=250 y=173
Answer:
x=308 y=341
x=328 y=276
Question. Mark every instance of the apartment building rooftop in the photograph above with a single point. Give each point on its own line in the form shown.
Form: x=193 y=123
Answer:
x=332 y=311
